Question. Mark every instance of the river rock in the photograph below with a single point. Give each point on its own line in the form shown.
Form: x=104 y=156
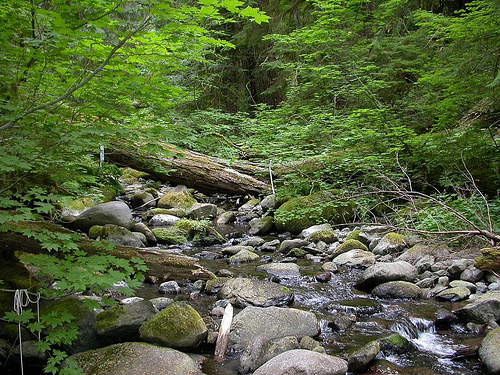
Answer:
x=348 y=245
x=169 y=287
x=455 y=294
x=253 y=241
x=116 y=212
x=243 y=256
x=281 y=270
x=383 y=272
x=357 y=306
x=122 y=322
x=391 y=243
x=288 y=245
x=397 y=289
x=306 y=233
x=141 y=199
x=355 y=258
x=160 y=303
x=134 y=358
x=177 y=326
x=176 y=198
x=261 y=226
x=245 y=292
x=489 y=351
x=262 y=349
x=304 y=362
x=273 y=323
x=471 y=274
x=226 y=218
x=360 y=359
x=415 y=253
x=119 y=236
x=484 y=309
x=143 y=228
x=163 y=220
x=268 y=203
x=270 y=246
x=199 y=211
x=461 y=283
x=232 y=250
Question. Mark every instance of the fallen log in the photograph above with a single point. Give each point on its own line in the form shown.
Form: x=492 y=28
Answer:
x=195 y=170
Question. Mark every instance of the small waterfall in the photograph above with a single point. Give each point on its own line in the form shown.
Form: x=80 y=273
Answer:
x=422 y=334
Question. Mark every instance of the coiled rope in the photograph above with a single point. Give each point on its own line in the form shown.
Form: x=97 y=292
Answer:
x=21 y=300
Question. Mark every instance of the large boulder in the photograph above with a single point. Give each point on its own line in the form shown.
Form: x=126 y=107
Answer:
x=398 y=290
x=356 y=258
x=271 y=322
x=199 y=211
x=484 y=309
x=117 y=213
x=489 y=351
x=348 y=245
x=300 y=213
x=391 y=243
x=134 y=358
x=288 y=245
x=281 y=270
x=177 y=198
x=360 y=359
x=415 y=253
x=304 y=362
x=261 y=226
x=246 y=292
x=177 y=326
x=122 y=322
x=383 y=272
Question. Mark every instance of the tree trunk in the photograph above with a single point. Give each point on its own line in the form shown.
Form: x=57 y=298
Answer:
x=202 y=172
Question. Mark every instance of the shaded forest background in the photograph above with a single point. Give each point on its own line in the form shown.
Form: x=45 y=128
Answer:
x=332 y=94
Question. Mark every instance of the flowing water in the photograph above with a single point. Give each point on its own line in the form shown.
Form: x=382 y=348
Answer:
x=433 y=351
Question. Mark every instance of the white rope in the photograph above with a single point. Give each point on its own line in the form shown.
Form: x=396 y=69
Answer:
x=21 y=300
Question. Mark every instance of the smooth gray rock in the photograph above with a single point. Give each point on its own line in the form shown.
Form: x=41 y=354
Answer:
x=360 y=359
x=169 y=287
x=355 y=258
x=288 y=245
x=235 y=249
x=483 y=310
x=226 y=217
x=398 y=290
x=200 y=211
x=303 y=362
x=419 y=251
x=150 y=237
x=116 y=212
x=163 y=220
x=271 y=322
x=243 y=256
x=261 y=226
x=306 y=233
x=133 y=358
x=489 y=351
x=383 y=272
x=246 y=292
x=281 y=270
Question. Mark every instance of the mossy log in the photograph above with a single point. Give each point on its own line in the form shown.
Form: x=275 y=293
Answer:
x=163 y=265
x=490 y=259
x=195 y=170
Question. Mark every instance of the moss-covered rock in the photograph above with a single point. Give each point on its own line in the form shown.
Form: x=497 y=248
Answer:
x=349 y=245
x=394 y=344
x=300 y=213
x=117 y=235
x=391 y=243
x=177 y=326
x=490 y=259
x=354 y=235
x=327 y=236
x=176 y=199
x=170 y=235
x=131 y=176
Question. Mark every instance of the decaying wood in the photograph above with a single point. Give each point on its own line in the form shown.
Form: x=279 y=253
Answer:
x=221 y=344
x=193 y=169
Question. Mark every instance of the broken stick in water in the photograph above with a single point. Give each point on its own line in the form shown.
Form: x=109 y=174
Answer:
x=220 y=346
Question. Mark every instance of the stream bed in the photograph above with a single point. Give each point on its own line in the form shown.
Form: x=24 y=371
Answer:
x=433 y=350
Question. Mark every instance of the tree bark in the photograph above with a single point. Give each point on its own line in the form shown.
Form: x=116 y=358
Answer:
x=199 y=171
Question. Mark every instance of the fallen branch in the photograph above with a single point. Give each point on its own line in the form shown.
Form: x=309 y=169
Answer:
x=225 y=326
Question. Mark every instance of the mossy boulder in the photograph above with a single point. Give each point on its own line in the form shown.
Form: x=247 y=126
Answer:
x=326 y=235
x=177 y=326
x=349 y=245
x=354 y=235
x=176 y=199
x=391 y=243
x=489 y=351
x=118 y=235
x=395 y=344
x=170 y=235
x=302 y=212
x=490 y=259
x=134 y=358
x=131 y=176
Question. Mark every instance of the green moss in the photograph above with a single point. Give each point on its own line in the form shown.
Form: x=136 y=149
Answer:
x=108 y=318
x=296 y=252
x=325 y=235
x=173 y=324
x=212 y=286
x=176 y=199
x=170 y=235
x=396 y=238
x=69 y=305
x=354 y=235
x=179 y=212
x=300 y=213
x=97 y=231
x=81 y=203
x=490 y=259
x=395 y=343
x=349 y=245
